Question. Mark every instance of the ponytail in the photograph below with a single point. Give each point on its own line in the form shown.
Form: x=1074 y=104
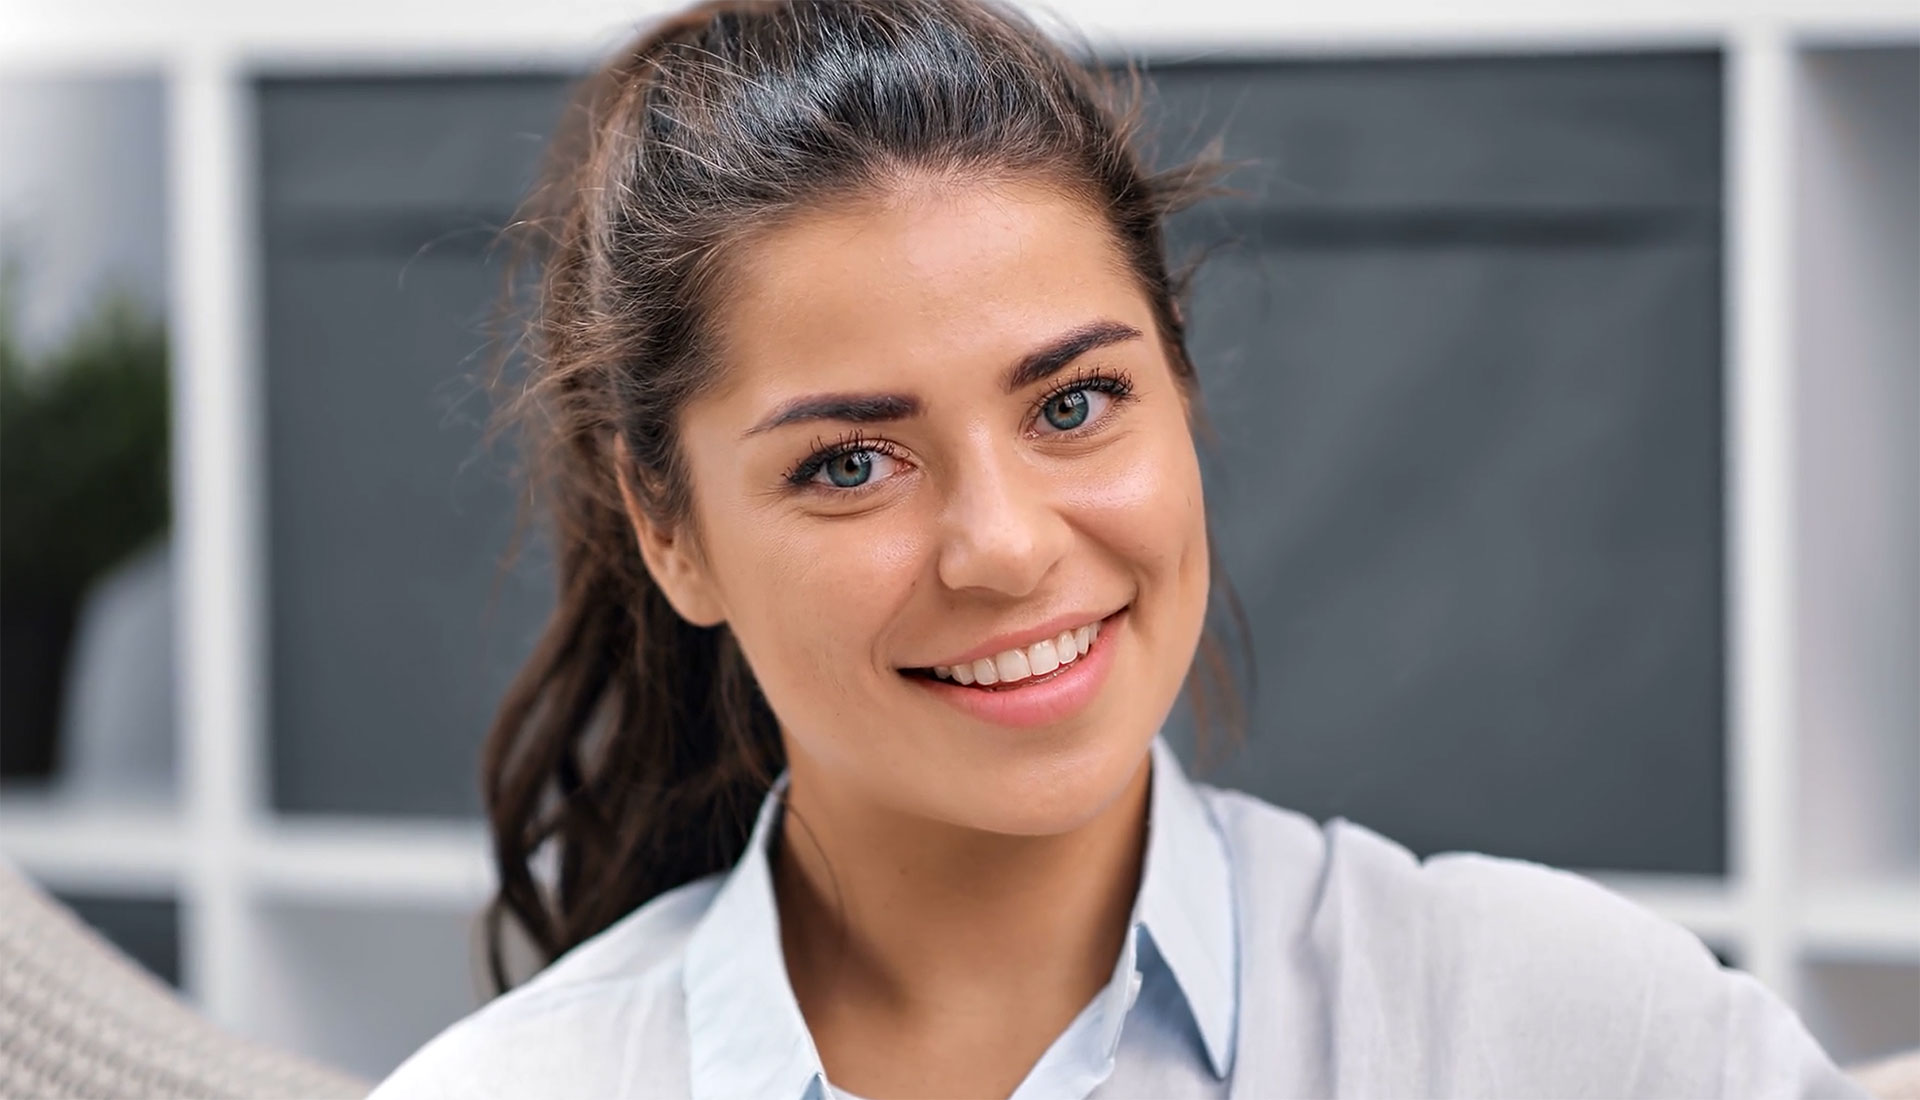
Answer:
x=632 y=750
x=632 y=741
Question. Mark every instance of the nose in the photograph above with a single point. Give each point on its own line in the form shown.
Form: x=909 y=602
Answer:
x=1002 y=527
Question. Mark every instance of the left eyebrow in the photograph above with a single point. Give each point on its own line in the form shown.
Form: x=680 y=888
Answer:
x=1041 y=363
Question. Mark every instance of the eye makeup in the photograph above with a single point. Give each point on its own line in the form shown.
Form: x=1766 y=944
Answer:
x=1117 y=385
x=853 y=443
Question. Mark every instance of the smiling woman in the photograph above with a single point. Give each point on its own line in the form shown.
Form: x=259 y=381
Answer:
x=867 y=421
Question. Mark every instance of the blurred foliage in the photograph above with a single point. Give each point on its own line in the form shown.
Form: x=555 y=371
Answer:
x=83 y=449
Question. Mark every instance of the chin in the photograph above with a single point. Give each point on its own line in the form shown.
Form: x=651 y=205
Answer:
x=1060 y=791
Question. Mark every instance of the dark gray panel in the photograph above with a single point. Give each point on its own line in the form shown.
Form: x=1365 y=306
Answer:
x=1511 y=134
x=1478 y=545
x=388 y=524
x=394 y=632
x=378 y=145
x=1468 y=484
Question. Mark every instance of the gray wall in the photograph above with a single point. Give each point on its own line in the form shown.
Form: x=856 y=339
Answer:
x=394 y=630
x=1460 y=338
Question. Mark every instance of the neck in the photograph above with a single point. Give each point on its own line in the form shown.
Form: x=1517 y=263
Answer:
x=884 y=913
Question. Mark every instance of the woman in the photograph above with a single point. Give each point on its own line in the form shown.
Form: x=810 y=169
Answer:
x=866 y=408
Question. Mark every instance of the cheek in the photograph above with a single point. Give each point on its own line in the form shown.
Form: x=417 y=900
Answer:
x=810 y=603
x=1145 y=506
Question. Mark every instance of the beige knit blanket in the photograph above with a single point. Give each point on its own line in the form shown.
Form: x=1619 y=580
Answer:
x=80 y=1019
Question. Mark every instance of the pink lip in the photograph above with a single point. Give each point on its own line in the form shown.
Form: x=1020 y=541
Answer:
x=1050 y=629
x=1042 y=700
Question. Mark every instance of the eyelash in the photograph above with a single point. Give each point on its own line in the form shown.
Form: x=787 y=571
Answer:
x=825 y=452
x=1116 y=384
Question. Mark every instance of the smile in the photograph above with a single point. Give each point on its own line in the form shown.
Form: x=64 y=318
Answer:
x=1011 y=666
x=1038 y=684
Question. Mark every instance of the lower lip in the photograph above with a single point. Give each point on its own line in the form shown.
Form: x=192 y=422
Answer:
x=1041 y=702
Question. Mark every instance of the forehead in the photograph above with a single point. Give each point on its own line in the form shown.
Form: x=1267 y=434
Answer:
x=922 y=280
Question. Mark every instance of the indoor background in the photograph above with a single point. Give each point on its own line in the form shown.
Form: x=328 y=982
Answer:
x=1563 y=362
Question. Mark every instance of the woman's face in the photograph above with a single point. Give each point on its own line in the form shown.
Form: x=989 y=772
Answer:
x=947 y=448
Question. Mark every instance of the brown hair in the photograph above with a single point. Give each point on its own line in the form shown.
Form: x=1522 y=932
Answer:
x=634 y=744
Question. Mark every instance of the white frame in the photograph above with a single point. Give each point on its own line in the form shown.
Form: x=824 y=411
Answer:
x=227 y=855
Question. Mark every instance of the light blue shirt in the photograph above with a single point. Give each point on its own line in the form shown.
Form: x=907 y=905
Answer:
x=1267 y=956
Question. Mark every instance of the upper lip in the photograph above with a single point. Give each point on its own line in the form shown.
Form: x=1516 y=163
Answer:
x=1021 y=639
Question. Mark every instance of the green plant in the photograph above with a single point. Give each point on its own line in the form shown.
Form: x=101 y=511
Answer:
x=83 y=483
x=83 y=451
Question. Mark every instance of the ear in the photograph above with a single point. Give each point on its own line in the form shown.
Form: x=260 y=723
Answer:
x=670 y=555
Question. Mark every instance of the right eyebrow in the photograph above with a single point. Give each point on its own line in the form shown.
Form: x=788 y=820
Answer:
x=851 y=408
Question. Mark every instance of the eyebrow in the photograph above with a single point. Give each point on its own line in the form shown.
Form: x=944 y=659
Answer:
x=851 y=408
x=872 y=408
x=1051 y=359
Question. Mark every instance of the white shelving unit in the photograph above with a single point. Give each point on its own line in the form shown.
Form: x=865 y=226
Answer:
x=1856 y=479
x=285 y=917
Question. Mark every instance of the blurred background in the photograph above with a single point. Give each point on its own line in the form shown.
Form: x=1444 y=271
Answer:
x=1564 y=361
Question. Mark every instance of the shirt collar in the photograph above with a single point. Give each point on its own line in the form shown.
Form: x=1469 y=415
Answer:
x=1186 y=905
x=746 y=1036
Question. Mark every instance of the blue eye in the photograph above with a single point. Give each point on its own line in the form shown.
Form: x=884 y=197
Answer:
x=1081 y=403
x=852 y=464
x=1067 y=411
x=849 y=470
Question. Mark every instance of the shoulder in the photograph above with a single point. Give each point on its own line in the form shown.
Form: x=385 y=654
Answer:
x=1521 y=920
x=1475 y=973
x=610 y=1010
x=1468 y=914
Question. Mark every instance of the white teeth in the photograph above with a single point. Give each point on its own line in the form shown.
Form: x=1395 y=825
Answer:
x=1013 y=665
x=1043 y=657
x=1066 y=647
x=1038 y=659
